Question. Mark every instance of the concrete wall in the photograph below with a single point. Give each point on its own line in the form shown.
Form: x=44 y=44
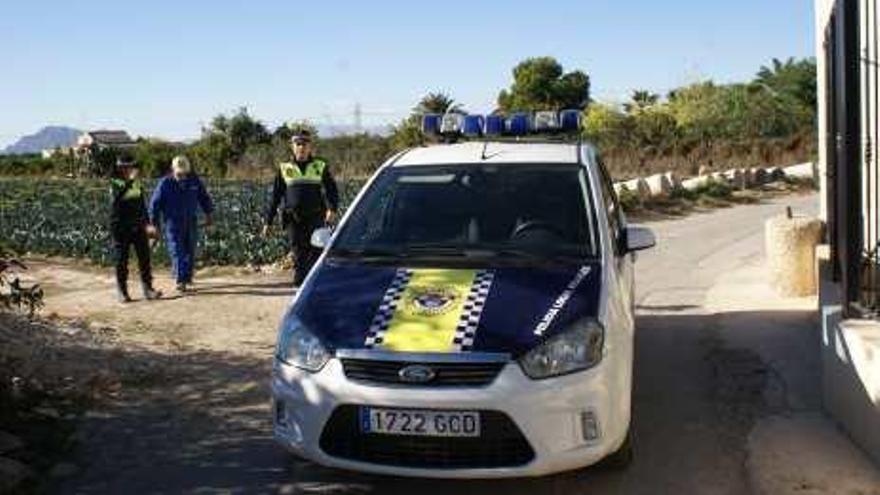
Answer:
x=823 y=15
x=850 y=366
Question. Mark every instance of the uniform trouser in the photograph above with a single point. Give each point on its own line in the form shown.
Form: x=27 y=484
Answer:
x=123 y=240
x=180 y=237
x=299 y=232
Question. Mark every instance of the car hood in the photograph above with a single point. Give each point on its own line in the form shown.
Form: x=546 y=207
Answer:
x=508 y=309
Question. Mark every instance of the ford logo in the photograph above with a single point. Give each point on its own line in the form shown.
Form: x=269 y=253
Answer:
x=416 y=373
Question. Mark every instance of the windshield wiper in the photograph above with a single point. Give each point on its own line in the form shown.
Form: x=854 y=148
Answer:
x=367 y=253
x=528 y=254
x=435 y=249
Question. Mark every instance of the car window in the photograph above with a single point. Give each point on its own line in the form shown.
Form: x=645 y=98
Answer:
x=539 y=208
x=612 y=208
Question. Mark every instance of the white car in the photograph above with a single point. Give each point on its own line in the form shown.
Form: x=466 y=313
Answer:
x=471 y=317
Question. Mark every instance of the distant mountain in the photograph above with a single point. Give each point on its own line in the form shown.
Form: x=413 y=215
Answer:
x=49 y=137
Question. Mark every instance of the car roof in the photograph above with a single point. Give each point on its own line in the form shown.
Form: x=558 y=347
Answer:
x=495 y=153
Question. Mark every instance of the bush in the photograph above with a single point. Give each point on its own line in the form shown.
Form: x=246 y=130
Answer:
x=629 y=200
x=15 y=295
x=714 y=189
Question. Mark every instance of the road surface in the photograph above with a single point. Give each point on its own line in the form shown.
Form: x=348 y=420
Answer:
x=693 y=404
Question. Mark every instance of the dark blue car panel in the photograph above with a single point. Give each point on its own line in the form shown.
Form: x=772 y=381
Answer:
x=342 y=300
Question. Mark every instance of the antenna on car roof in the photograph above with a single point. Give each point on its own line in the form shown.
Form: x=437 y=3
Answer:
x=483 y=153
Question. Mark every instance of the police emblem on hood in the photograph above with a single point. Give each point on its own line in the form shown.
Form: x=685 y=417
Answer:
x=431 y=301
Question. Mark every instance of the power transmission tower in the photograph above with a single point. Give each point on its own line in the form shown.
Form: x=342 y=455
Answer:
x=358 y=118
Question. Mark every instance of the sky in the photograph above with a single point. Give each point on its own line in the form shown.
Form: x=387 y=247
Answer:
x=164 y=68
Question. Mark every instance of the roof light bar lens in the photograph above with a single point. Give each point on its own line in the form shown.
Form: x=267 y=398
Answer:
x=494 y=125
x=473 y=125
x=570 y=120
x=519 y=124
x=431 y=123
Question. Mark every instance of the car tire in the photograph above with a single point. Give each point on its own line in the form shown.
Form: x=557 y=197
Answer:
x=622 y=457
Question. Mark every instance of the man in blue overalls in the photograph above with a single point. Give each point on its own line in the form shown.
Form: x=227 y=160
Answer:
x=176 y=201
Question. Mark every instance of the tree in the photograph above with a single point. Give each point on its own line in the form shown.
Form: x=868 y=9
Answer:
x=607 y=125
x=540 y=84
x=640 y=100
x=243 y=131
x=792 y=78
x=408 y=132
x=211 y=154
x=154 y=156
x=438 y=102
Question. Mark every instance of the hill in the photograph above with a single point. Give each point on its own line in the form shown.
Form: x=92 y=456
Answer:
x=46 y=138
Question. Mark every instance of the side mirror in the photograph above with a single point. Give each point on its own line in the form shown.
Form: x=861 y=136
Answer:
x=639 y=238
x=321 y=237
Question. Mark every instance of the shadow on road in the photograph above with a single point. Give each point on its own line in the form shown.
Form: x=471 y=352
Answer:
x=199 y=423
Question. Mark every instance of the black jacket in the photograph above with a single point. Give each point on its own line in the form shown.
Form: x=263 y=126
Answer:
x=128 y=209
x=307 y=189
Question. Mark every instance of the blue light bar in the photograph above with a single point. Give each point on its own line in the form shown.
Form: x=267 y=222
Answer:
x=519 y=124
x=473 y=125
x=431 y=123
x=570 y=120
x=494 y=125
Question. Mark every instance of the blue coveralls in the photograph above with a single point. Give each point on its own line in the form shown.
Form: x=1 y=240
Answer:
x=176 y=203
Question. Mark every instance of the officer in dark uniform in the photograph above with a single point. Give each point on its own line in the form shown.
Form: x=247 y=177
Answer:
x=311 y=200
x=129 y=227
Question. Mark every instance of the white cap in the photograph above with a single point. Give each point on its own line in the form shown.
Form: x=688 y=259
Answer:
x=181 y=164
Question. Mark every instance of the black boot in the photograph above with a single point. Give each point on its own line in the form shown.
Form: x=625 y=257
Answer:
x=150 y=293
x=122 y=292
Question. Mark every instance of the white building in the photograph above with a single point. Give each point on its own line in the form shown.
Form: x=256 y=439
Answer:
x=105 y=139
x=847 y=51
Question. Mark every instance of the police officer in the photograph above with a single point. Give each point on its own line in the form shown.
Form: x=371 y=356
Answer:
x=129 y=227
x=311 y=199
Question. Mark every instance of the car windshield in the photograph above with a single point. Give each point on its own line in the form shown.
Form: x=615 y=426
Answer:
x=536 y=210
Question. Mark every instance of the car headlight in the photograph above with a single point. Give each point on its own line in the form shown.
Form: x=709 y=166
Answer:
x=578 y=348
x=300 y=347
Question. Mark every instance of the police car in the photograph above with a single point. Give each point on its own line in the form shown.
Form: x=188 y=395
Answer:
x=470 y=317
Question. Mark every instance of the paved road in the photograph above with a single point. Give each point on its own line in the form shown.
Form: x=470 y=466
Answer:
x=691 y=416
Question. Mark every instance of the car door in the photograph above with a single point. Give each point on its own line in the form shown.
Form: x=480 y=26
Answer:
x=620 y=260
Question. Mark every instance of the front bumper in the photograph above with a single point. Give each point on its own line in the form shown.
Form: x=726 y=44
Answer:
x=549 y=413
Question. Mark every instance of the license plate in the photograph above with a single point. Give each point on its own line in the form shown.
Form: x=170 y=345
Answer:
x=417 y=422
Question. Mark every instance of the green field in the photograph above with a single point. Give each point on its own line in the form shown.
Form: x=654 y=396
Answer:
x=70 y=218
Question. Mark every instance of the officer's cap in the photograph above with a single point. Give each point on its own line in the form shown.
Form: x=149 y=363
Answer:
x=301 y=136
x=125 y=161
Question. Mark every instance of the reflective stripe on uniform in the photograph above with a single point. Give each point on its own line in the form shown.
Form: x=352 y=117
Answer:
x=292 y=174
x=430 y=310
x=132 y=193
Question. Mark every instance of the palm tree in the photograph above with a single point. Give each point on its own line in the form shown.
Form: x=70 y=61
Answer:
x=437 y=102
x=640 y=100
x=767 y=74
x=794 y=78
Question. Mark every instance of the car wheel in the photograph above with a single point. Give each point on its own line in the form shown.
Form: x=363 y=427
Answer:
x=622 y=457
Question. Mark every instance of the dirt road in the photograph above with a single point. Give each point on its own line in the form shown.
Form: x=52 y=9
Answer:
x=204 y=427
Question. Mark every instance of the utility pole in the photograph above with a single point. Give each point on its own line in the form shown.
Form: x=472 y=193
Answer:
x=358 y=118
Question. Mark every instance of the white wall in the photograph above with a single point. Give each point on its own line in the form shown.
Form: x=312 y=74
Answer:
x=823 y=15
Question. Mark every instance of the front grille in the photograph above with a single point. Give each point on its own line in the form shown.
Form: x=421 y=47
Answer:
x=452 y=374
x=500 y=444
